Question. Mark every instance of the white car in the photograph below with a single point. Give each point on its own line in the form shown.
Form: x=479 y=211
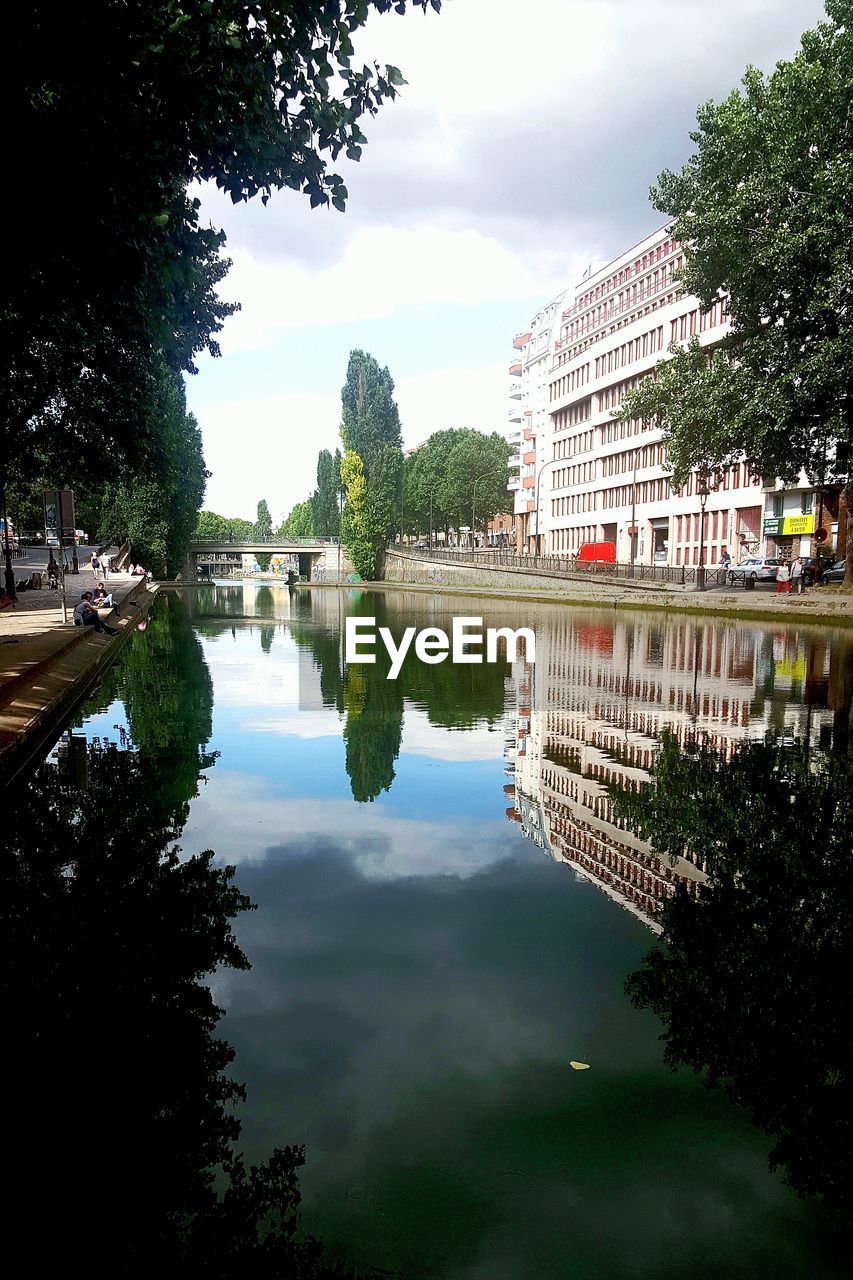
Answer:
x=756 y=569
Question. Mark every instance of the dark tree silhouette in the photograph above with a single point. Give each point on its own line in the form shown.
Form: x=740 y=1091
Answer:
x=751 y=978
x=121 y=1116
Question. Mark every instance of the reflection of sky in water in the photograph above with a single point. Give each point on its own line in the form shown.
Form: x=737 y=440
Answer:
x=421 y=977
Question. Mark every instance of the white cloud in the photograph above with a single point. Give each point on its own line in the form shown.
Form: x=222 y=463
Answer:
x=381 y=271
x=266 y=445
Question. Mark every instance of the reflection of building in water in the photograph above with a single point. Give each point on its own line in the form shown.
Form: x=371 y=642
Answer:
x=591 y=712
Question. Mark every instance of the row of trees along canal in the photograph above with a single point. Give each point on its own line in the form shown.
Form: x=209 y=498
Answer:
x=371 y=492
x=102 y=321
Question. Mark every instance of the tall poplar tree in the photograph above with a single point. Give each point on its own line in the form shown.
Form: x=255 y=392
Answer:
x=370 y=429
x=263 y=529
x=324 y=501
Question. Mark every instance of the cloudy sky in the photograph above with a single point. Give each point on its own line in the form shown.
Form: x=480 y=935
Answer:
x=521 y=150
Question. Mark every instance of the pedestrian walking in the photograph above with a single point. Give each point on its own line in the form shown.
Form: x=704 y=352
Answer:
x=797 y=576
x=783 y=579
x=96 y=566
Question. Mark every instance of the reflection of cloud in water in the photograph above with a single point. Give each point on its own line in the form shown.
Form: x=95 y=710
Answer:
x=416 y=1034
x=242 y=673
x=246 y=821
x=420 y=738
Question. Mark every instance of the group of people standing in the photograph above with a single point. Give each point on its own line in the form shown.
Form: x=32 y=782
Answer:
x=789 y=575
x=101 y=564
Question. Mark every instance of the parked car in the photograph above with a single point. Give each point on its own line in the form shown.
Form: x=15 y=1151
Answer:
x=814 y=568
x=756 y=569
x=420 y=545
x=835 y=573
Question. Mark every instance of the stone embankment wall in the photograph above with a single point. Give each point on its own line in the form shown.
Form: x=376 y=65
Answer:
x=397 y=567
x=823 y=605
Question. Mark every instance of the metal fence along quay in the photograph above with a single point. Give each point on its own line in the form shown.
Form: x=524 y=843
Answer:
x=563 y=567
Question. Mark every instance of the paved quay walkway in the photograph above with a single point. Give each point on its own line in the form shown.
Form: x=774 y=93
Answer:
x=46 y=663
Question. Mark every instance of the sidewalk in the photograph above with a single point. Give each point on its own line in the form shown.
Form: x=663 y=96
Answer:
x=45 y=663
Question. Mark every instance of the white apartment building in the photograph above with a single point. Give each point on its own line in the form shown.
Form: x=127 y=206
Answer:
x=528 y=413
x=603 y=480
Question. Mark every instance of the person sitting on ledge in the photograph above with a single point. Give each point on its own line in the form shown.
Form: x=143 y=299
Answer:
x=86 y=615
x=103 y=599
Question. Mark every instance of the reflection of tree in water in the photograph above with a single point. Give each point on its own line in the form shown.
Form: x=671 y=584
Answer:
x=122 y=1118
x=167 y=692
x=751 y=979
x=453 y=696
x=373 y=728
x=122 y=1109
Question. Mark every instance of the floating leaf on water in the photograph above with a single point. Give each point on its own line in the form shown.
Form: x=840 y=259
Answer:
x=579 y=1066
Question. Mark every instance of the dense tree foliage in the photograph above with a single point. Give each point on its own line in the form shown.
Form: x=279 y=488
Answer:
x=355 y=526
x=765 y=210
x=211 y=525
x=156 y=510
x=454 y=476
x=750 y=978
x=263 y=530
x=125 y=106
x=370 y=430
x=325 y=506
x=300 y=521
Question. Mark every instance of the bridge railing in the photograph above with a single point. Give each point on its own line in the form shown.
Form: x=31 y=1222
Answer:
x=270 y=541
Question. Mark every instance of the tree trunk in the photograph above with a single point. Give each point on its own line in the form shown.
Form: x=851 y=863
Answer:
x=847 y=500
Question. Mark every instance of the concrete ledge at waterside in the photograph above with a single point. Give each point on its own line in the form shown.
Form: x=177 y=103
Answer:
x=821 y=605
x=55 y=670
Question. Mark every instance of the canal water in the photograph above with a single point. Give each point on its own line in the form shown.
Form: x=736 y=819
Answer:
x=447 y=903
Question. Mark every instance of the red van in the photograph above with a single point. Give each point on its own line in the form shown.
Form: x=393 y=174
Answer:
x=591 y=553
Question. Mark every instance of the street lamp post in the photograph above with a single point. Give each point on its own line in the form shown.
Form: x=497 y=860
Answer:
x=549 y=463
x=484 y=476
x=633 y=530
x=702 y=489
x=9 y=587
x=430 y=521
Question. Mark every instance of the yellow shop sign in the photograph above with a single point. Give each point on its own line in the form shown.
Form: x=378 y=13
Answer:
x=776 y=526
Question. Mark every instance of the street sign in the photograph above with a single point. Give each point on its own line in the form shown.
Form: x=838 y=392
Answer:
x=820 y=535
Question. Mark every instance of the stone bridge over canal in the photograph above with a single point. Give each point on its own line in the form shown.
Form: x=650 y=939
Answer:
x=318 y=558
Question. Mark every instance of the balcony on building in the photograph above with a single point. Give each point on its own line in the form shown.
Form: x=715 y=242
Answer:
x=515 y=390
x=513 y=483
x=521 y=340
x=515 y=414
x=515 y=370
x=529 y=482
x=514 y=461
